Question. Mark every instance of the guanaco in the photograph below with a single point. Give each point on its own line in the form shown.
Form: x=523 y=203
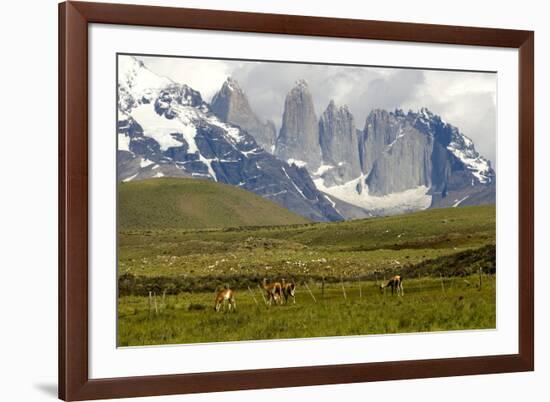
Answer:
x=289 y=290
x=274 y=292
x=396 y=283
x=225 y=298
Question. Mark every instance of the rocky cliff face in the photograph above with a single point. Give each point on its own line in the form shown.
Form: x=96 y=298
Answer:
x=339 y=146
x=231 y=105
x=298 y=138
x=400 y=152
x=168 y=130
x=381 y=129
x=405 y=163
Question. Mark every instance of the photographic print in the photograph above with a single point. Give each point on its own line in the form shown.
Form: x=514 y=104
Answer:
x=262 y=200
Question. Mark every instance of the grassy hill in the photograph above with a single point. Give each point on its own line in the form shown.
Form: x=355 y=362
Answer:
x=195 y=204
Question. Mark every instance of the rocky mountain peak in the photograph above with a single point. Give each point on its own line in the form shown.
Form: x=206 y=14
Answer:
x=426 y=113
x=399 y=161
x=175 y=134
x=419 y=149
x=136 y=83
x=299 y=135
x=301 y=84
x=231 y=105
x=232 y=85
x=339 y=146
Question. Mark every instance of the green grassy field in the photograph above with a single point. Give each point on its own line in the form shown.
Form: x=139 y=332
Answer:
x=159 y=254
x=190 y=318
x=197 y=204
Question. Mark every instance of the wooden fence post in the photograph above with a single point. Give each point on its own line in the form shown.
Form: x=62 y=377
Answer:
x=310 y=292
x=252 y=294
x=480 y=283
x=343 y=288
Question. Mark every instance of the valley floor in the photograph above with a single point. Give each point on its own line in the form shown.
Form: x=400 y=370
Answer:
x=441 y=253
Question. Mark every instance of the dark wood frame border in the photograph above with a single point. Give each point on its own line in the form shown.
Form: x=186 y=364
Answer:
x=74 y=17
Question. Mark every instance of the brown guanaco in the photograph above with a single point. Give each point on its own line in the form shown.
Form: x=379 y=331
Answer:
x=289 y=290
x=396 y=283
x=274 y=292
x=225 y=298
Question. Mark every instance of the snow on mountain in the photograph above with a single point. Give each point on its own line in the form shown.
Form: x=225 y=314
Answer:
x=410 y=162
x=323 y=169
x=463 y=148
x=398 y=162
x=413 y=199
x=458 y=144
x=163 y=130
x=137 y=84
x=168 y=130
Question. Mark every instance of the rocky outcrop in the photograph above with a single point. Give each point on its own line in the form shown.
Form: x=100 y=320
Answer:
x=381 y=129
x=298 y=138
x=405 y=163
x=339 y=146
x=402 y=151
x=231 y=105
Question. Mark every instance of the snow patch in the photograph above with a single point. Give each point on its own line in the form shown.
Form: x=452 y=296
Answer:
x=409 y=200
x=463 y=148
x=137 y=81
x=233 y=132
x=323 y=169
x=458 y=202
x=162 y=129
x=401 y=134
x=294 y=184
x=123 y=142
x=208 y=163
x=296 y=162
x=145 y=162
x=130 y=178
x=274 y=194
x=332 y=203
x=255 y=151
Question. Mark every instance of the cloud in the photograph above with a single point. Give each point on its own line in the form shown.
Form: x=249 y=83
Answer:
x=204 y=75
x=464 y=99
x=387 y=91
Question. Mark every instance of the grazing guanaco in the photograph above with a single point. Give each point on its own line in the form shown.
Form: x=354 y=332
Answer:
x=396 y=283
x=225 y=298
x=274 y=292
x=289 y=290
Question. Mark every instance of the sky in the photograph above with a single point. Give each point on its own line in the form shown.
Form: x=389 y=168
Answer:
x=466 y=100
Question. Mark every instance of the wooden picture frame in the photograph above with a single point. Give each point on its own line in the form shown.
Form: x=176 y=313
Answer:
x=74 y=381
